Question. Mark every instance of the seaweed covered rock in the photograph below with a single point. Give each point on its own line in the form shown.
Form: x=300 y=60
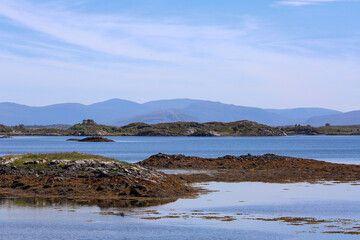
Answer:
x=264 y=168
x=82 y=176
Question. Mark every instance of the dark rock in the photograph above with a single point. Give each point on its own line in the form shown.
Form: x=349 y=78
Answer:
x=135 y=192
x=17 y=184
x=92 y=139
x=103 y=173
x=6 y=136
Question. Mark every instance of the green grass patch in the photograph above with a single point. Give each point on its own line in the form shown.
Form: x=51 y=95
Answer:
x=72 y=156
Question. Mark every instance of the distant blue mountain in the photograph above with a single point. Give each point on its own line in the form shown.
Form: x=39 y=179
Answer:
x=11 y=114
x=119 y=112
x=161 y=116
x=109 y=111
x=202 y=111
x=348 y=118
x=301 y=115
x=207 y=111
x=171 y=103
x=69 y=113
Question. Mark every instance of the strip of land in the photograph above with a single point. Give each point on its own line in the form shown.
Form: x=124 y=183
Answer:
x=263 y=168
x=211 y=129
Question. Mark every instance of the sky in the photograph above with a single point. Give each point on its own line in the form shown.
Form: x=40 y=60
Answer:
x=263 y=53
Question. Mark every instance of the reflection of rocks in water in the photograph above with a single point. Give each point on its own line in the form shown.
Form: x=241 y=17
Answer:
x=6 y=136
x=36 y=202
x=101 y=203
x=105 y=204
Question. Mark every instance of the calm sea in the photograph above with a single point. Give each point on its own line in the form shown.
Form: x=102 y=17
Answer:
x=231 y=211
x=133 y=149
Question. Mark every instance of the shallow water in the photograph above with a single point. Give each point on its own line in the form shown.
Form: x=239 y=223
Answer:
x=231 y=211
x=243 y=203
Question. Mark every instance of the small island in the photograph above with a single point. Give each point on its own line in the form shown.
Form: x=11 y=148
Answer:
x=91 y=139
x=83 y=177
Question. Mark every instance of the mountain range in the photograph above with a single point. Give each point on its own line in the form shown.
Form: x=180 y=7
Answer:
x=118 y=112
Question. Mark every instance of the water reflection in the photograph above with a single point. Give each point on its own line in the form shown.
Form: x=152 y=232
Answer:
x=246 y=210
x=103 y=204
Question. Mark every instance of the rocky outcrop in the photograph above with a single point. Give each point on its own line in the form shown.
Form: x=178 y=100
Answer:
x=70 y=168
x=85 y=179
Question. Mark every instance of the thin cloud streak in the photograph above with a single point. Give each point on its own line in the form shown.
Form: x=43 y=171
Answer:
x=299 y=3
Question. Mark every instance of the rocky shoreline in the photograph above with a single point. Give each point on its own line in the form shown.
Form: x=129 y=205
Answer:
x=96 y=179
x=89 y=178
x=263 y=168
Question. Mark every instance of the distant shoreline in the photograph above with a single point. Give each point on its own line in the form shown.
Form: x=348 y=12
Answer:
x=182 y=129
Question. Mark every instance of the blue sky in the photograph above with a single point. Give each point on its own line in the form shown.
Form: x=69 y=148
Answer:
x=263 y=53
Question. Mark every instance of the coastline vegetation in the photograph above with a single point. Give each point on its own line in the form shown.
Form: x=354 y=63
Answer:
x=239 y=128
x=324 y=130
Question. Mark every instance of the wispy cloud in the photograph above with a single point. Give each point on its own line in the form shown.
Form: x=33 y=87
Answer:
x=298 y=3
x=114 y=35
x=143 y=59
